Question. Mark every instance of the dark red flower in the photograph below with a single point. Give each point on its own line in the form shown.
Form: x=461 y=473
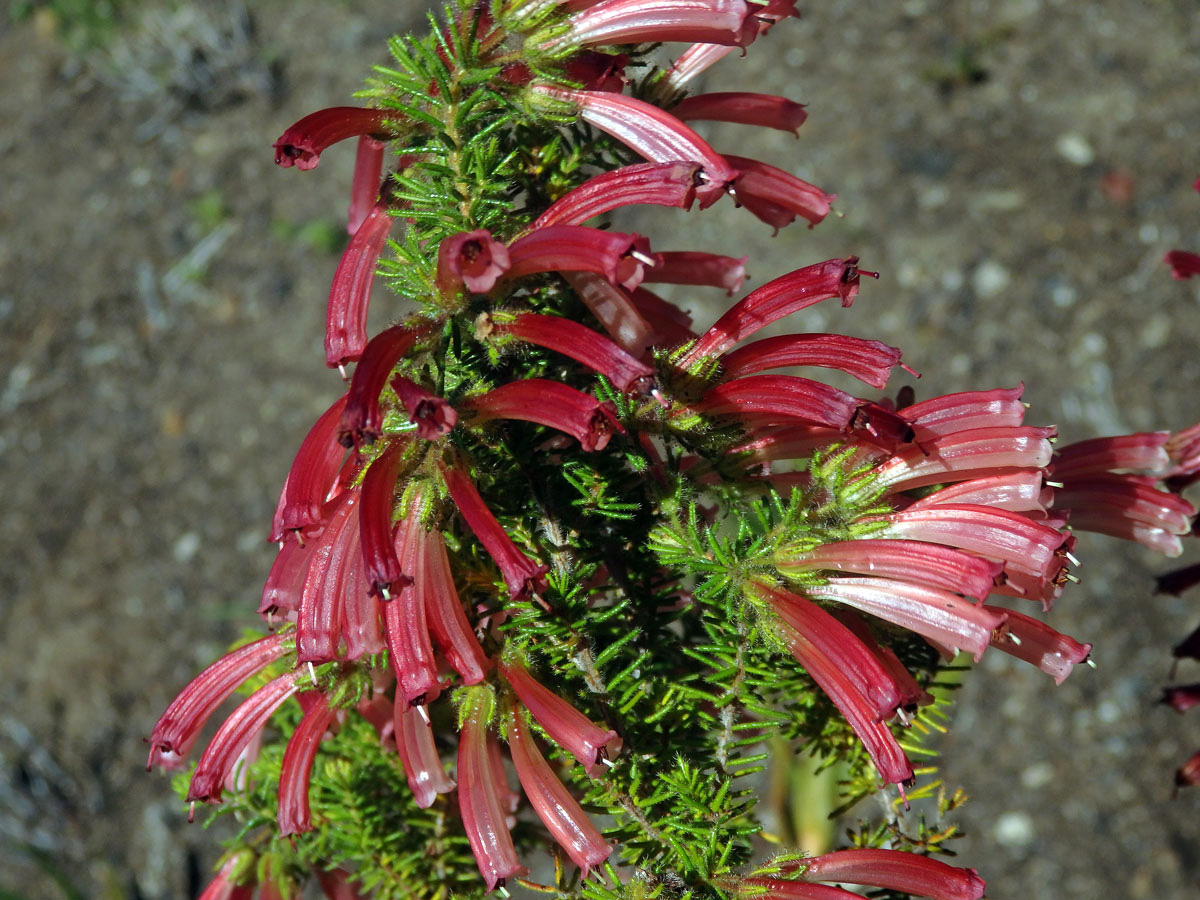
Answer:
x=362 y=418
x=659 y=184
x=692 y=267
x=433 y=416
x=574 y=248
x=552 y=404
x=294 y=815
x=350 y=293
x=869 y=361
x=364 y=190
x=776 y=196
x=471 y=258
x=743 y=108
x=302 y=144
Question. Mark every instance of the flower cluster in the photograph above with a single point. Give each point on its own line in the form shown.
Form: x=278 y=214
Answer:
x=548 y=469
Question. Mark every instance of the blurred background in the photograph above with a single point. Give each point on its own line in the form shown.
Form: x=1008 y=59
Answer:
x=1014 y=169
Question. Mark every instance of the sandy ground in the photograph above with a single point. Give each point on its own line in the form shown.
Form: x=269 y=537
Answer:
x=1014 y=169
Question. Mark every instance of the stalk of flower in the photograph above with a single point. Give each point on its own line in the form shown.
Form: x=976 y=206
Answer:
x=775 y=196
x=693 y=267
x=871 y=362
x=553 y=803
x=653 y=21
x=235 y=733
x=589 y=743
x=522 y=575
x=422 y=766
x=471 y=259
x=179 y=727
x=549 y=403
x=479 y=794
x=302 y=144
x=295 y=814
x=444 y=610
x=350 y=293
x=1036 y=642
x=743 y=108
x=405 y=624
x=362 y=419
x=615 y=309
x=312 y=478
x=658 y=184
x=580 y=343
x=620 y=258
x=650 y=132
x=784 y=295
x=322 y=613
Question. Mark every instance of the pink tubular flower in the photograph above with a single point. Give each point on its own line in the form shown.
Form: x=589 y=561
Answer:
x=178 y=728
x=521 y=575
x=1125 y=506
x=552 y=404
x=776 y=299
x=368 y=173
x=615 y=309
x=554 y=805
x=444 y=610
x=384 y=572
x=590 y=744
x=432 y=415
x=654 y=21
x=1183 y=264
x=302 y=144
x=968 y=409
x=964 y=455
x=743 y=108
x=350 y=293
x=575 y=248
x=942 y=617
x=659 y=184
x=312 y=477
x=236 y=732
x=584 y=346
x=479 y=790
x=405 y=625
x=362 y=419
x=295 y=816
x=871 y=362
x=335 y=554
x=912 y=695
x=1036 y=642
x=895 y=870
x=701 y=55
x=775 y=196
x=649 y=131
x=1014 y=491
x=780 y=399
x=471 y=258
x=1143 y=452
x=422 y=766
x=285 y=582
x=690 y=267
x=916 y=562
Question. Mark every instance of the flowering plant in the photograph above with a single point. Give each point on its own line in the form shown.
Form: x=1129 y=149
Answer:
x=550 y=520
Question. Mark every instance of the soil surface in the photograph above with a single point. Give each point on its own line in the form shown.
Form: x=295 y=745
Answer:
x=1015 y=169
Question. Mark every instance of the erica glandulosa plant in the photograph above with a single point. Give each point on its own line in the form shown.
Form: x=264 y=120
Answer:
x=558 y=562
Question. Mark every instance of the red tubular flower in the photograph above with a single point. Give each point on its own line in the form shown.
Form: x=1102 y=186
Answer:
x=236 y=732
x=964 y=455
x=895 y=870
x=743 y=108
x=690 y=267
x=553 y=803
x=912 y=695
x=778 y=889
x=360 y=606
x=384 y=572
x=1181 y=697
x=350 y=293
x=786 y=442
x=322 y=603
x=1125 y=506
x=1015 y=491
x=616 y=310
x=584 y=346
x=595 y=71
x=362 y=419
x=775 y=196
x=649 y=131
x=552 y=404
x=668 y=323
x=776 y=299
x=521 y=574
x=968 y=409
x=1183 y=264
x=313 y=475
x=658 y=184
x=479 y=798
x=655 y=21
x=444 y=610
x=871 y=362
x=590 y=744
x=432 y=415
x=368 y=173
x=336 y=884
x=574 y=248
x=302 y=144
x=471 y=258
x=178 y=728
x=404 y=625
x=1189 y=773
x=942 y=617
x=834 y=641
x=777 y=399
x=1036 y=642
x=285 y=582
x=916 y=562
x=422 y=766
x=1143 y=452
x=700 y=56
x=295 y=816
